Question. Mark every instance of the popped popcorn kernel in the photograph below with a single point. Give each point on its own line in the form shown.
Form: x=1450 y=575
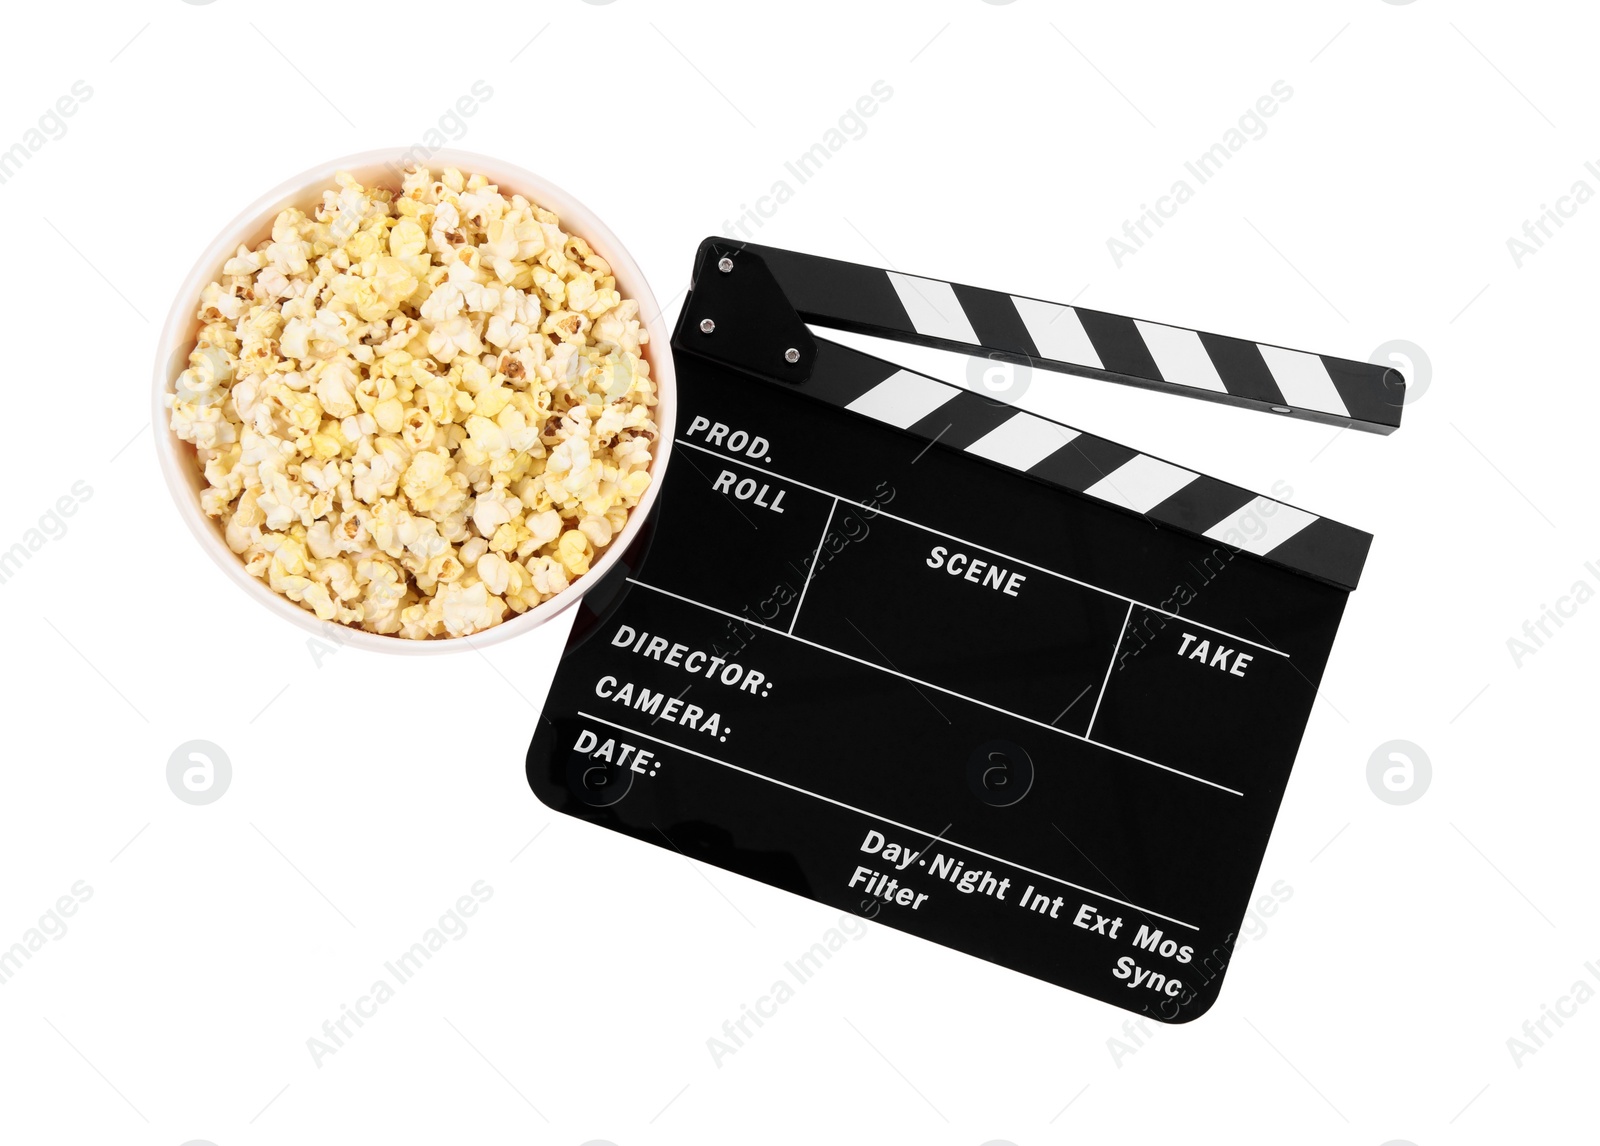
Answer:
x=419 y=410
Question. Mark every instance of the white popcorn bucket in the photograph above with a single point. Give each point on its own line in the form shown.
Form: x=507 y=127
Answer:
x=254 y=224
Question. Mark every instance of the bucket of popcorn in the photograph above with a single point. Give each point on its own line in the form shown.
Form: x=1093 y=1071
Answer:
x=415 y=406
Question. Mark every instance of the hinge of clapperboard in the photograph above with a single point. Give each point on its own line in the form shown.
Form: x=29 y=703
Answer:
x=749 y=307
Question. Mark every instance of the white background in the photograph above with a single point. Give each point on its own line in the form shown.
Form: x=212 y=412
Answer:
x=370 y=792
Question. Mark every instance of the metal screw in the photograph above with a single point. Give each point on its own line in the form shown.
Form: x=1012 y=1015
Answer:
x=791 y=355
x=707 y=326
x=724 y=264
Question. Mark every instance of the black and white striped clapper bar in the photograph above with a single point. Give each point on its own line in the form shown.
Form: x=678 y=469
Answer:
x=1053 y=336
x=933 y=660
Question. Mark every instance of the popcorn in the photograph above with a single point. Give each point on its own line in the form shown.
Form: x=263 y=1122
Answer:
x=495 y=572
x=573 y=549
x=418 y=411
x=543 y=528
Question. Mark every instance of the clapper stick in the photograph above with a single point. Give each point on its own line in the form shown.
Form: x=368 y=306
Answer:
x=1076 y=340
x=758 y=300
x=1095 y=467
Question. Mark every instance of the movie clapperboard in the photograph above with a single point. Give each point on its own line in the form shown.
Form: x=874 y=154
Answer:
x=920 y=655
